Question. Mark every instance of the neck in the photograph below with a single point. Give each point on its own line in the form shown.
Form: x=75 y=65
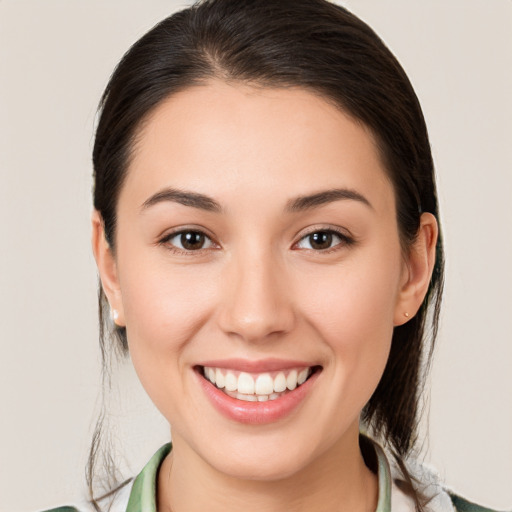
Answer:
x=337 y=480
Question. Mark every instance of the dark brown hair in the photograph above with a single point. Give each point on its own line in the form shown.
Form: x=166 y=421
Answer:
x=318 y=46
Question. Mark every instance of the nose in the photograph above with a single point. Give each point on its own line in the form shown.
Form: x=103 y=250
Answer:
x=256 y=305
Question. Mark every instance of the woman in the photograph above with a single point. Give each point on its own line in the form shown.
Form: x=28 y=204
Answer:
x=266 y=233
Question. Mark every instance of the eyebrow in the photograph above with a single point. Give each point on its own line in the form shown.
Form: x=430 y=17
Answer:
x=298 y=204
x=193 y=199
x=307 y=202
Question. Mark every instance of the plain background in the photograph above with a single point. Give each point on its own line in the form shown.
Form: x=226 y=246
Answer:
x=55 y=59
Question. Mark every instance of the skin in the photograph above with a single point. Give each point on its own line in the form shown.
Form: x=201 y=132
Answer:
x=260 y=289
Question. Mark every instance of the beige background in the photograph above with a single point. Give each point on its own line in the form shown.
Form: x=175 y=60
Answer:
x=55 y=58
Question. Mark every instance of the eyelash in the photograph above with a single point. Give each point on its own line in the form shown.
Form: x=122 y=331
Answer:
x=345 y=241
x=165 y=241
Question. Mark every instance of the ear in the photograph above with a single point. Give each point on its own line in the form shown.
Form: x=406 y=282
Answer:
x=107 y=268
x=418 y=267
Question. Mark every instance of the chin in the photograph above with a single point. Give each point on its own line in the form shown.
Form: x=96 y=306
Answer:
x=260 y=462
x=261 y=472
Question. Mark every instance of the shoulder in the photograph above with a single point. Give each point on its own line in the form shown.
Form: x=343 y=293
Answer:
x=134 y=494
x=462 y=505
x=114 y=501
x=67 y=508
x=438 y=496
x=63 y=509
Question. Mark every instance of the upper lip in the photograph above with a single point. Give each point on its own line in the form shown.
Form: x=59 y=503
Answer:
x=256 y=366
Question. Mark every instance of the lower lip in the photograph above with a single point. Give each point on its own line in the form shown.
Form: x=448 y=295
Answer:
x=256 y=413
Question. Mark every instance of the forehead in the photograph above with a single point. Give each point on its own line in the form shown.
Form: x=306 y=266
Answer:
x=218 y=138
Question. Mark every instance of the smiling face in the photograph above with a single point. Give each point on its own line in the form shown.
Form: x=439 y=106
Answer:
x=257 y=246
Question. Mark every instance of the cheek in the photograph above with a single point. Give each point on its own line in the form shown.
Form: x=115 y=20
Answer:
x=353 y=313
x=164 y=308
x=165 y=304
x=358 y=296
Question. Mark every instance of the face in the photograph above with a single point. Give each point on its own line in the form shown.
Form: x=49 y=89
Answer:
x=257 y=244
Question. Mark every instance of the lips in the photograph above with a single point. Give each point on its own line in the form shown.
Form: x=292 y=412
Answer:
x=263 y=393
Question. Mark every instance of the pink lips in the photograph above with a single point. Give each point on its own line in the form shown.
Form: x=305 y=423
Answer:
x=256 y=413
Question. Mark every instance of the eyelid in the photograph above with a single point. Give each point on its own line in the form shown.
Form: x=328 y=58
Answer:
x=164 y=239
x=346 y=237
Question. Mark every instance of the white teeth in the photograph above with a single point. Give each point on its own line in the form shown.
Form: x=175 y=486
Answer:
x=280 y=383
x=220 y=381
x=247 y=398
x=256 y=387
x=245 y=384
x=231 y=382
x=264 y=384
x=303 y=375
x=291 y=380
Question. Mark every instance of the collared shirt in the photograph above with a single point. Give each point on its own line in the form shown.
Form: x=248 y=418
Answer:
x=143 y=491
x=139 y=495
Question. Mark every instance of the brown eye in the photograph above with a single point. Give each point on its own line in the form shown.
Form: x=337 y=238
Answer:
x=192 y=240
x=322 y=240
x=189 y=240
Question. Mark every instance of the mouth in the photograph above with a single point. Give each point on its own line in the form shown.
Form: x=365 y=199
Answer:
x=257 y=387
x=256 y=397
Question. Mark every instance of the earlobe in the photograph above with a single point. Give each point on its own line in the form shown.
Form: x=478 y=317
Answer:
x=418 y=270
x=107 y=268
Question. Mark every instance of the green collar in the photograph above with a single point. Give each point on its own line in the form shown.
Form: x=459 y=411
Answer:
x=385 y=482
x=143 y=493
